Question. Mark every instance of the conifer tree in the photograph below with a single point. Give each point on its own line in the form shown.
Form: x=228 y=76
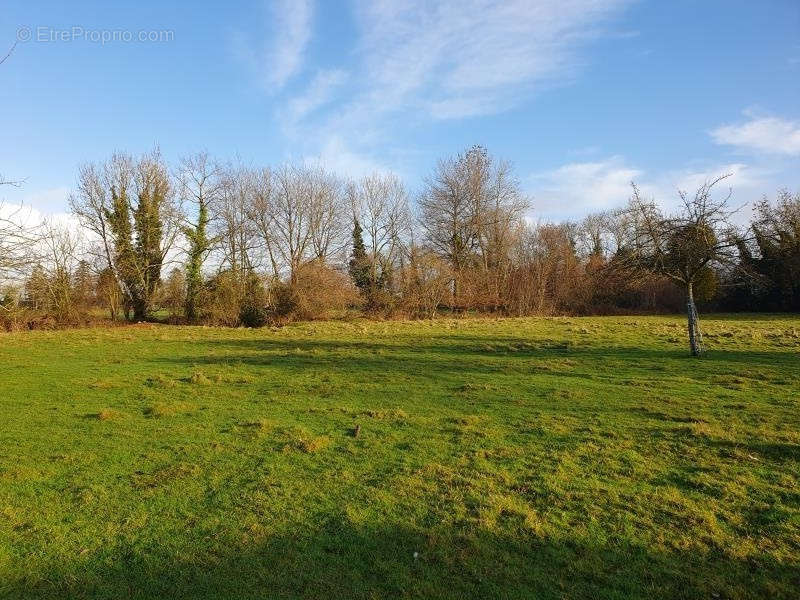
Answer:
x=359 y=262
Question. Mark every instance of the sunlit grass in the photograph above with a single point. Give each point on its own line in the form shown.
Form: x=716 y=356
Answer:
x=496 y=458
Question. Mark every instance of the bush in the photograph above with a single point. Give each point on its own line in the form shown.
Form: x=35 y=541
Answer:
x=381 y=303
x=251 y=315
x=427 y=283
x=318 y=292
x=219 y=300
x=231 y=299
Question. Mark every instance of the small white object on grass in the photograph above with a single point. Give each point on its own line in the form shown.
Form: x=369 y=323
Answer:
x=416 y=555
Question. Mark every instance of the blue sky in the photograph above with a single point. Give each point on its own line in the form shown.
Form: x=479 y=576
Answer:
x=580 y=95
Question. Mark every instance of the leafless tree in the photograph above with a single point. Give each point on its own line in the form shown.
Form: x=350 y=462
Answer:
x=232 y=225
x=469 y=209
x=547 y=272
x=19 y=239
x=379 y=203
x=261 y=213
x=594 y=234
x=684 y=245
x=60 y=248
x=327 y=213
x=292 y=216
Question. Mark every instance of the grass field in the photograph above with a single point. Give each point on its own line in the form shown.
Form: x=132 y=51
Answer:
x=517 y=458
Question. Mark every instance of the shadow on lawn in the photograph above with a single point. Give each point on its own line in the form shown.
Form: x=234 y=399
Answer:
x=341 y=560
x=778 y=452
x=471 y=355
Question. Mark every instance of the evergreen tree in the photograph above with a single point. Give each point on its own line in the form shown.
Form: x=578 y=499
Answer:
x=83 y=285
x=198 y=247
x=201 y=183
x=148 y=227
x=359 y=261
x=36 y=288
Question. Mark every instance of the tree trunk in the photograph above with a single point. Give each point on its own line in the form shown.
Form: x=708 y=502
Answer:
x=691 y=313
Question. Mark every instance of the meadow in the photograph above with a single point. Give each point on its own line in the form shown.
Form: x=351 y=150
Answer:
x=485 y=458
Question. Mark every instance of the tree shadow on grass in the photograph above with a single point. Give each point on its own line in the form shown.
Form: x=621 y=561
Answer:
x=475 y=355
x=340 y=559
x=773 y=451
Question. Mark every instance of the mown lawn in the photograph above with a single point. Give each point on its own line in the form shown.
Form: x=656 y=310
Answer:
x=516 y=458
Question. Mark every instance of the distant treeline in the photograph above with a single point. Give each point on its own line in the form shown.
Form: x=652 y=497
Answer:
x=213 y=243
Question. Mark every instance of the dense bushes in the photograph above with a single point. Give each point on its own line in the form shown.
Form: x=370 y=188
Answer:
x=318 y=292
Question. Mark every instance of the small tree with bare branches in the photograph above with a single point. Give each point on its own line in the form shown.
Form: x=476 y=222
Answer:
x=686 y=245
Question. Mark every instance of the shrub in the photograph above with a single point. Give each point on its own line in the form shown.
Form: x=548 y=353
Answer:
x=220 y=298
x=427 y=284
x=231 y=299
x=318 y=292
x=251 y=315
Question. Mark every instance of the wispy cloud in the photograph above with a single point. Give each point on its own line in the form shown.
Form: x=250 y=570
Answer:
x=767 y=134
x=576 y=189
x=289 y=31
x=418 y=62
x=318 y=93
x=456 y=59
x=336 y=156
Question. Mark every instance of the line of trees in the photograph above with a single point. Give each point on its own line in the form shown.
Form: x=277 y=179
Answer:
x=221 y=243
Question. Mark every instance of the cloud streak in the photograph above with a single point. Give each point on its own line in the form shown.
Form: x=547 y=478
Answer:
x=769 y=135
x=318 y=93
x=576 y=189
x=455 y=59
x=289 y=31
x=418 y=62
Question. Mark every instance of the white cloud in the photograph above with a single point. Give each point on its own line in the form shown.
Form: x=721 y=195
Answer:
x=576 y=189
x=28 y=216
x=418 y=61
x=318 y=93
x=771 y=135
x=460 y=58
x=336 y=156
x=289 y=32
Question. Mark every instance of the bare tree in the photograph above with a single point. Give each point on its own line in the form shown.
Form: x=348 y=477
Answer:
x=685 y=245
x=261 y=212
x=379 y=203
x=594 y=235
x=18 y=242
x=60 y=246
x=547 y=274
x=446 y=214
x=291 y=217
x=327 y=214
x=469 y=209
x=232 y=225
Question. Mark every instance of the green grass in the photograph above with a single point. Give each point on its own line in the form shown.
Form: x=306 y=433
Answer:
x=517 y=458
